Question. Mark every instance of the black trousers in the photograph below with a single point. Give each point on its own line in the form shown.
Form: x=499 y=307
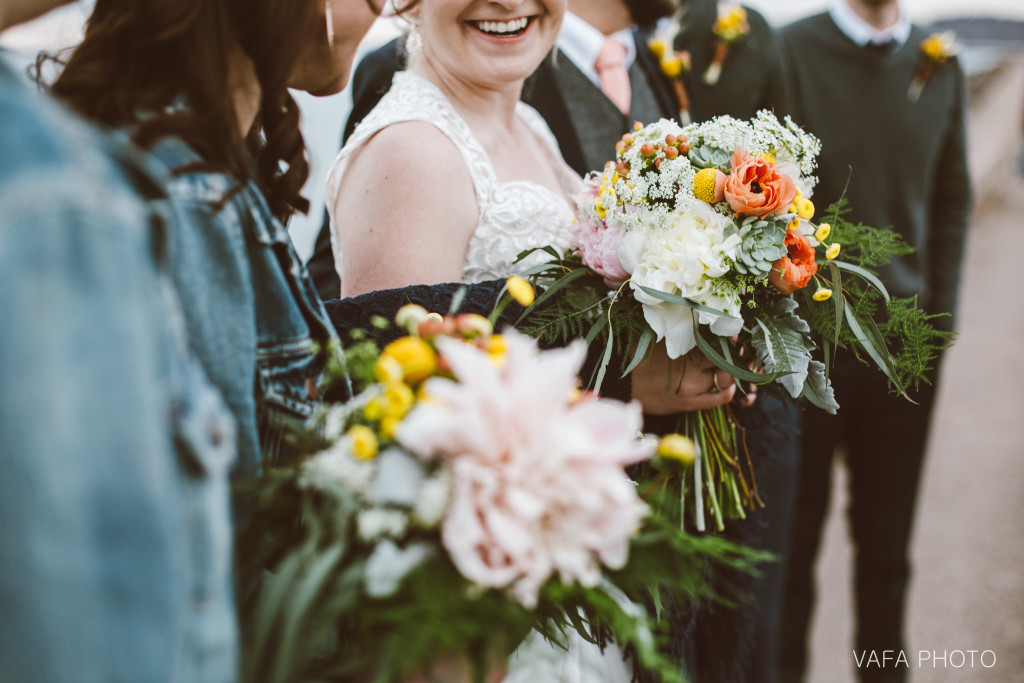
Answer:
x=885 y=437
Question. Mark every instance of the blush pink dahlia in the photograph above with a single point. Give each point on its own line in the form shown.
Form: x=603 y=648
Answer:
x=538 y=486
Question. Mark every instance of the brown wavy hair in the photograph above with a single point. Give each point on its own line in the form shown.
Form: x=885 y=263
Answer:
x=140 y=57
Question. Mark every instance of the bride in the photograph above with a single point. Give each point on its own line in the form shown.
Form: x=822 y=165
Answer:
x=449 y=178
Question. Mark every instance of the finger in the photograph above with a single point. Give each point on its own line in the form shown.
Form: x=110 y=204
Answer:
x=725 y=380
x=706 y=401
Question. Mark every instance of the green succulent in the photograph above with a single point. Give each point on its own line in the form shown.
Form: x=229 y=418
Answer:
x=709 y=157
x=763 y=244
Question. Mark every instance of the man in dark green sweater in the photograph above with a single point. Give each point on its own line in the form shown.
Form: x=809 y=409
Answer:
x=850 y=71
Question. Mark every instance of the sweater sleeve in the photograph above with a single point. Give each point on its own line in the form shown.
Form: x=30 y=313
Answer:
x=356 y=313
x=949 y=213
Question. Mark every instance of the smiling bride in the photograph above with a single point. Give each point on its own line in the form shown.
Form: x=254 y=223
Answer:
x=469 y=176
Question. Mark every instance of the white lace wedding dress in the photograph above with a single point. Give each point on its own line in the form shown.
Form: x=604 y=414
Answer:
x=514 y=216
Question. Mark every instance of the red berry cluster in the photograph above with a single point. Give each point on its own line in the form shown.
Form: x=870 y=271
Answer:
x=653 y=152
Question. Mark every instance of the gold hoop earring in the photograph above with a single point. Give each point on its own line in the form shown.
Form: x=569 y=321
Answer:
x=329 y=10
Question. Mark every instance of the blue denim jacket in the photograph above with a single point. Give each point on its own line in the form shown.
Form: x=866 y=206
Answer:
x=253 y=314
x=115 y=549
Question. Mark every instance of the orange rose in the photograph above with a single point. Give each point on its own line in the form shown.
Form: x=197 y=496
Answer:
x=794 y=271
x=756 y=187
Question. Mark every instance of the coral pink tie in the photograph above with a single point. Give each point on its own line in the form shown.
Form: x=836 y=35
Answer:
x=612 y=71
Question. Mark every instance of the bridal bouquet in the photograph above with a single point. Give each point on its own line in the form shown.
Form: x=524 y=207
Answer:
x=705 y=237
x=467 y=493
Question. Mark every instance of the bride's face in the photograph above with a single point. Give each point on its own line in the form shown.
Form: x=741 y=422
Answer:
x=488 y=42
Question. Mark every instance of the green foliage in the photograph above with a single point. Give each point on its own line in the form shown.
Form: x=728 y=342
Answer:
x=863 y=245
x=893 y=331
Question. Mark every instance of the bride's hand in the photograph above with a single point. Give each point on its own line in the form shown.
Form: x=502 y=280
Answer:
x=692 y=382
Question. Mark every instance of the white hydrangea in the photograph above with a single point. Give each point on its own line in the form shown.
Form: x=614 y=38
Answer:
x=373 y=524
x=389 y=565
x=432 y=503
x=337 y=471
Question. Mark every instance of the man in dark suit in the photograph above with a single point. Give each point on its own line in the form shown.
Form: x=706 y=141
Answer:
x=753 y=75
x=852 y=68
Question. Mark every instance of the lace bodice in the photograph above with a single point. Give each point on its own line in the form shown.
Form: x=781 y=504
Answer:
x=513 y=216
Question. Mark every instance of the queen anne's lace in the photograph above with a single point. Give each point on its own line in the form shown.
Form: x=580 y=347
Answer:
x=514 y=216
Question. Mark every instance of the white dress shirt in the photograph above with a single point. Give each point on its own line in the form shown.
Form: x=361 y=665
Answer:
x=862 y=33
x=581 y=43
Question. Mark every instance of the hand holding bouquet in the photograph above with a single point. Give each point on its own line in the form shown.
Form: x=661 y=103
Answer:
x=705 y=237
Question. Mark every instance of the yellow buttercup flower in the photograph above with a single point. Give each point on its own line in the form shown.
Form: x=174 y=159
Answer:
x=793 y=224
x=672 y=67
x=823 y=294
x=658 y=47
x=389 y=425
x=417 y=359
x=520 y=290
x=823 y=231
x=938 y=47
x=398 y=399
x=496 y=349
x=678 y=447
x=363 y=441
x=804 y=208
x=832 y=251
x=374 y=410
x=474 y=324
x=388 y=369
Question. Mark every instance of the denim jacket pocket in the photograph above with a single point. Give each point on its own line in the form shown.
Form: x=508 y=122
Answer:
x=287 y=393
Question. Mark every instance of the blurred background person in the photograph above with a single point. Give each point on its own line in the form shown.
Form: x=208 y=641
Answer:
x=114 y=449
x=851 y=69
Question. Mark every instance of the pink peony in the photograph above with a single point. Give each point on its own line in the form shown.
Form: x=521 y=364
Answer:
x=599 y=247
x=598 y=243
x=538 y=486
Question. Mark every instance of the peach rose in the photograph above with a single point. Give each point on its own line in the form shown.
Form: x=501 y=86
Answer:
x=794 y=271
x=756 y=187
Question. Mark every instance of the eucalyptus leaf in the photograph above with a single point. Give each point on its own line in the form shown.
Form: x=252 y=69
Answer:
x=646 y=337
x=867 y=275
x=817 y=388
x=675 y=299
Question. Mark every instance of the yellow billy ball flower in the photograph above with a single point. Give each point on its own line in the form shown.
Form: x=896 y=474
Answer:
x=417 y=359
x=804 y=208
x=658 y=47
x=520 y=289
x=823 y=231
x=678 y=447
x=832 y=251
x=823 y=294
x=363 y=441
x=672 y=67
x=704 y=185
x=388 y=369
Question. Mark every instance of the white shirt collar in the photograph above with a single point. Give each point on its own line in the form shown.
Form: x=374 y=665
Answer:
x=581 y=43
x=862 y=33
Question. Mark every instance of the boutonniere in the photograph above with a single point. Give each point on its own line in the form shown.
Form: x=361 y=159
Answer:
x=936 y=50
x=729 y=28
x=674 y=64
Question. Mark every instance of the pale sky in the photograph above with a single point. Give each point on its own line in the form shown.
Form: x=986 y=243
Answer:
x=61 y=27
